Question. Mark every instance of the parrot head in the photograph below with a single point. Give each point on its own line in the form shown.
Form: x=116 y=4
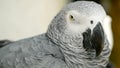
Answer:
x=79 y=26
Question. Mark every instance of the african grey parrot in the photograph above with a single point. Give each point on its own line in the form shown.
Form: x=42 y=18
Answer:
x=74 y=39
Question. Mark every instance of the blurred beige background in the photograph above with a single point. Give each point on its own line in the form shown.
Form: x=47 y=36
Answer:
x=24 y=18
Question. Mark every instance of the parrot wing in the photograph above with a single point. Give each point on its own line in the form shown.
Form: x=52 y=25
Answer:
x=35 y=52
x=4 y=43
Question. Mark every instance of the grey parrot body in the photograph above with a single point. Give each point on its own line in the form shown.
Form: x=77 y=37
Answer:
x=75 y=39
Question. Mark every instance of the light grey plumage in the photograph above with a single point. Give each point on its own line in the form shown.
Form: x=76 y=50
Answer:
x=74 y=39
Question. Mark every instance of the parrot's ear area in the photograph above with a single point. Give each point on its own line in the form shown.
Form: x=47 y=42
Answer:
x=94 y=40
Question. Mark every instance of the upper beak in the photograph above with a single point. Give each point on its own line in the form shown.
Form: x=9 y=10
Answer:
x=94 y=40
x=97 y=39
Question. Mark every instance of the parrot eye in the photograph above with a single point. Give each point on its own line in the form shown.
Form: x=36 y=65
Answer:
x=91 y=21
x=71 y=18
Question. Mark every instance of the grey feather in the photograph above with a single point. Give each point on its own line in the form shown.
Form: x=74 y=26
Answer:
x=59 y=47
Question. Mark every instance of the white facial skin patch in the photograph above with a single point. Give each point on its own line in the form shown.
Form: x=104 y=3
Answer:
x=78 y=23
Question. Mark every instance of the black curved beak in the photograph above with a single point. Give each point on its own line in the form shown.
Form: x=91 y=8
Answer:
x=97 y=39
x=94 y=40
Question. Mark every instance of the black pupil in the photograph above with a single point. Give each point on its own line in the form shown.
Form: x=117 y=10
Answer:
x=71 y=17
x=91 y=21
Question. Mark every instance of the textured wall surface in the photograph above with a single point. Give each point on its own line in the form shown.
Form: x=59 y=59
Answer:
x=24 y=18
